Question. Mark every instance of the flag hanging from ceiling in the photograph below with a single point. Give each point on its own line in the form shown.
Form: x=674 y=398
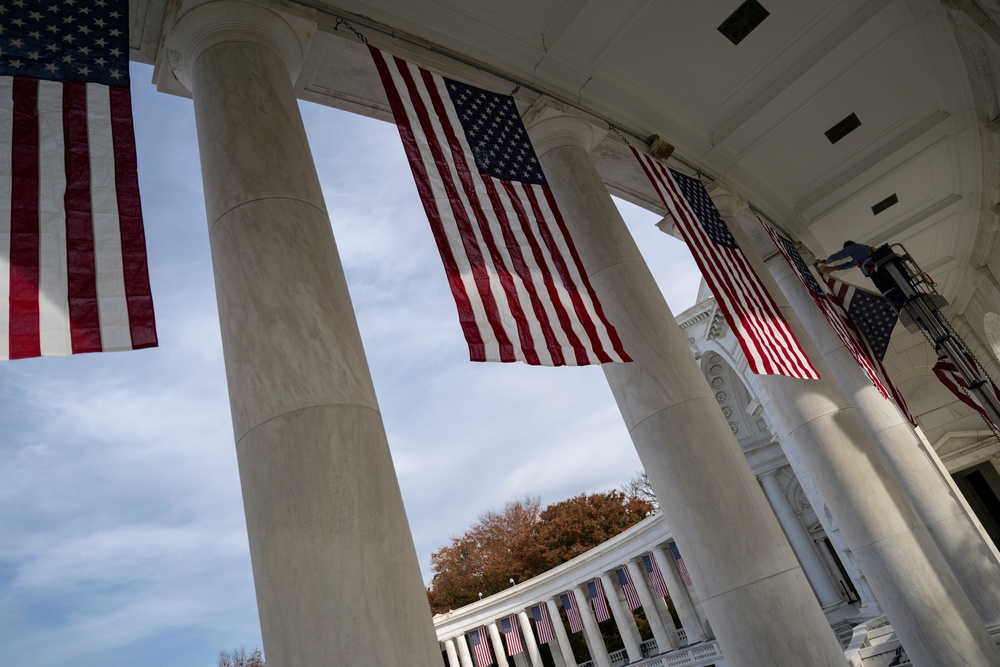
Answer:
x=516 y=277
x=681 y=567
x=572 y=613
x=655 y=576
x=763 y=334
x=949 y=375
x=863 y=321
x=543 y=624
x=628 y=587
x=73 y=275
x=481 y=647
x=512 y=635
x=598 y=601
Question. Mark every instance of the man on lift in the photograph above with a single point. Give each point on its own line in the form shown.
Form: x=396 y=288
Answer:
x=871 y=261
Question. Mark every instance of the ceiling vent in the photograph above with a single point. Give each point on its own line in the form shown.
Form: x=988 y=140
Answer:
x=843 y=128
x=891 y=200
x=742 y=22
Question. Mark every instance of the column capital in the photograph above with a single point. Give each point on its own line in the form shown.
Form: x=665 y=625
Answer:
x=552 y=124
x=728 y=203
x=202 y=24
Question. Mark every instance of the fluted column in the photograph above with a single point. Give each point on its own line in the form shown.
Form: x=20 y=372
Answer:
x=563 y=647
x=909 y=457
x=463 y=651
x=664 y=640
x=497 y=643
x=867 y=502
x=452 y=652
x=801 y=543
x=592 y=633
x=624 y=620
x=693 y=460
x=530 y=645
x=693 y=629
x=324 y=514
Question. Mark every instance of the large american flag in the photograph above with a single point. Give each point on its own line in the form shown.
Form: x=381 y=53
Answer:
x=598 y=601
x=73 y=275
x=481 y=647
x=681 y=567
x=543 y=624
x=949 y=375
x=572 y=613
x=863 y=321
x=517 y=279
x=763 y=334
x=628 y=587
x=655 y=576
x=512 y=635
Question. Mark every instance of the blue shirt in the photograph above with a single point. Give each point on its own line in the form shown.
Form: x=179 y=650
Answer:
x=856 y=254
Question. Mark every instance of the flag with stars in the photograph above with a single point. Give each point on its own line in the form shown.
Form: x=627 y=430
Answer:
x=679 y=560
x=969 y=393
x=628 y=587
x=572 y=612
x=73 y=275
x=763 y=334
x=597 y=600
x=863 y=321
x=543 y=624
x=481 y=647
x=656 y=579
x=512 y=635
x=521 y=291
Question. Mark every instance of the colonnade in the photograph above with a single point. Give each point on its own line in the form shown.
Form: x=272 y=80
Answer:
x=334 y=565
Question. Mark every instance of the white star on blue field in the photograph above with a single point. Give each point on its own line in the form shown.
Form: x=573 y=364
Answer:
x=123 y=538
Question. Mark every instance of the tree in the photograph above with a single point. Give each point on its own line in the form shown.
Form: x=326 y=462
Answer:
x=638 y=486
x=240 y=658
x=523 y=541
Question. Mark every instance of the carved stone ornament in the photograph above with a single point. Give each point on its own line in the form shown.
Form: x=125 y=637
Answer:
x=718 y=382
x=716 y=369
x=721 y=397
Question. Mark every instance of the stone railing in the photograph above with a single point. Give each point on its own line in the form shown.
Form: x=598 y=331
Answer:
x=649 y=648
x=699 y=655
x=619 y=657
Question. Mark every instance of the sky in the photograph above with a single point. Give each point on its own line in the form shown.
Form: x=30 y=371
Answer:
x=122 y=536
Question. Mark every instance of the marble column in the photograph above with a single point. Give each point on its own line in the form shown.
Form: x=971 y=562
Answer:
x=908 y=456
x=867 y=502
x=591 y=632
x=664 y=640
x=463 y=651
x=828 y=596
x=497 y=642
x=697 y=469
x=449 y=648
x=530 y=645
x=624 y=620
x=325 y=519
x=563 y=647
x=683 y=604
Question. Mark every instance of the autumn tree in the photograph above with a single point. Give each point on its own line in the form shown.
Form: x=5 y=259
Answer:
x=523 y=541
x=241 y=658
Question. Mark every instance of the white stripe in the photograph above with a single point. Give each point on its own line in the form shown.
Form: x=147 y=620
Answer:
x=112 y=305
x=7 y=144
x=53 y=281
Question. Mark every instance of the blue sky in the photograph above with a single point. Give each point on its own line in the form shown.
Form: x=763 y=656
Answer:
x=122 y=538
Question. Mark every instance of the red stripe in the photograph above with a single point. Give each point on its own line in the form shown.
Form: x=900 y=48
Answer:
x=24 y=243
x=84 y=315
x=139 y=297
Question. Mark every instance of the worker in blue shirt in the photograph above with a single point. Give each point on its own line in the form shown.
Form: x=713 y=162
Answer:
x=864 y=257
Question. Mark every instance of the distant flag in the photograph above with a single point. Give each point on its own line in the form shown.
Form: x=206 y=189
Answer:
x=681 y=567
x=572 y=613
x=631 y=594
x=543 y=624
x=863 y=321
x=763 y=334
x=598 y=601
x=655 y=576
x=949 y=375
x=520 y=288
x=512 y=634
x=481 y=647
x=73 y=274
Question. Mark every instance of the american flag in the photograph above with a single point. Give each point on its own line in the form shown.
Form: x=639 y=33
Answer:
x=949 y=375
x=655 y=576
x=543 y=624
x=764 y=336
x=520 y=288
x=481 y=647
x=863 y=321
x=631 y=594
x=572 y=613
x=681 y=567
x=598 y=601
x=73 y=275
x=512 y=634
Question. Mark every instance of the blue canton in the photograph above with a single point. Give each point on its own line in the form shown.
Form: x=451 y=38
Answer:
x=875 y=318
x=505 y=625
x=800 y=266
x=65 y=40
x=494 y=131
x=708 y=216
